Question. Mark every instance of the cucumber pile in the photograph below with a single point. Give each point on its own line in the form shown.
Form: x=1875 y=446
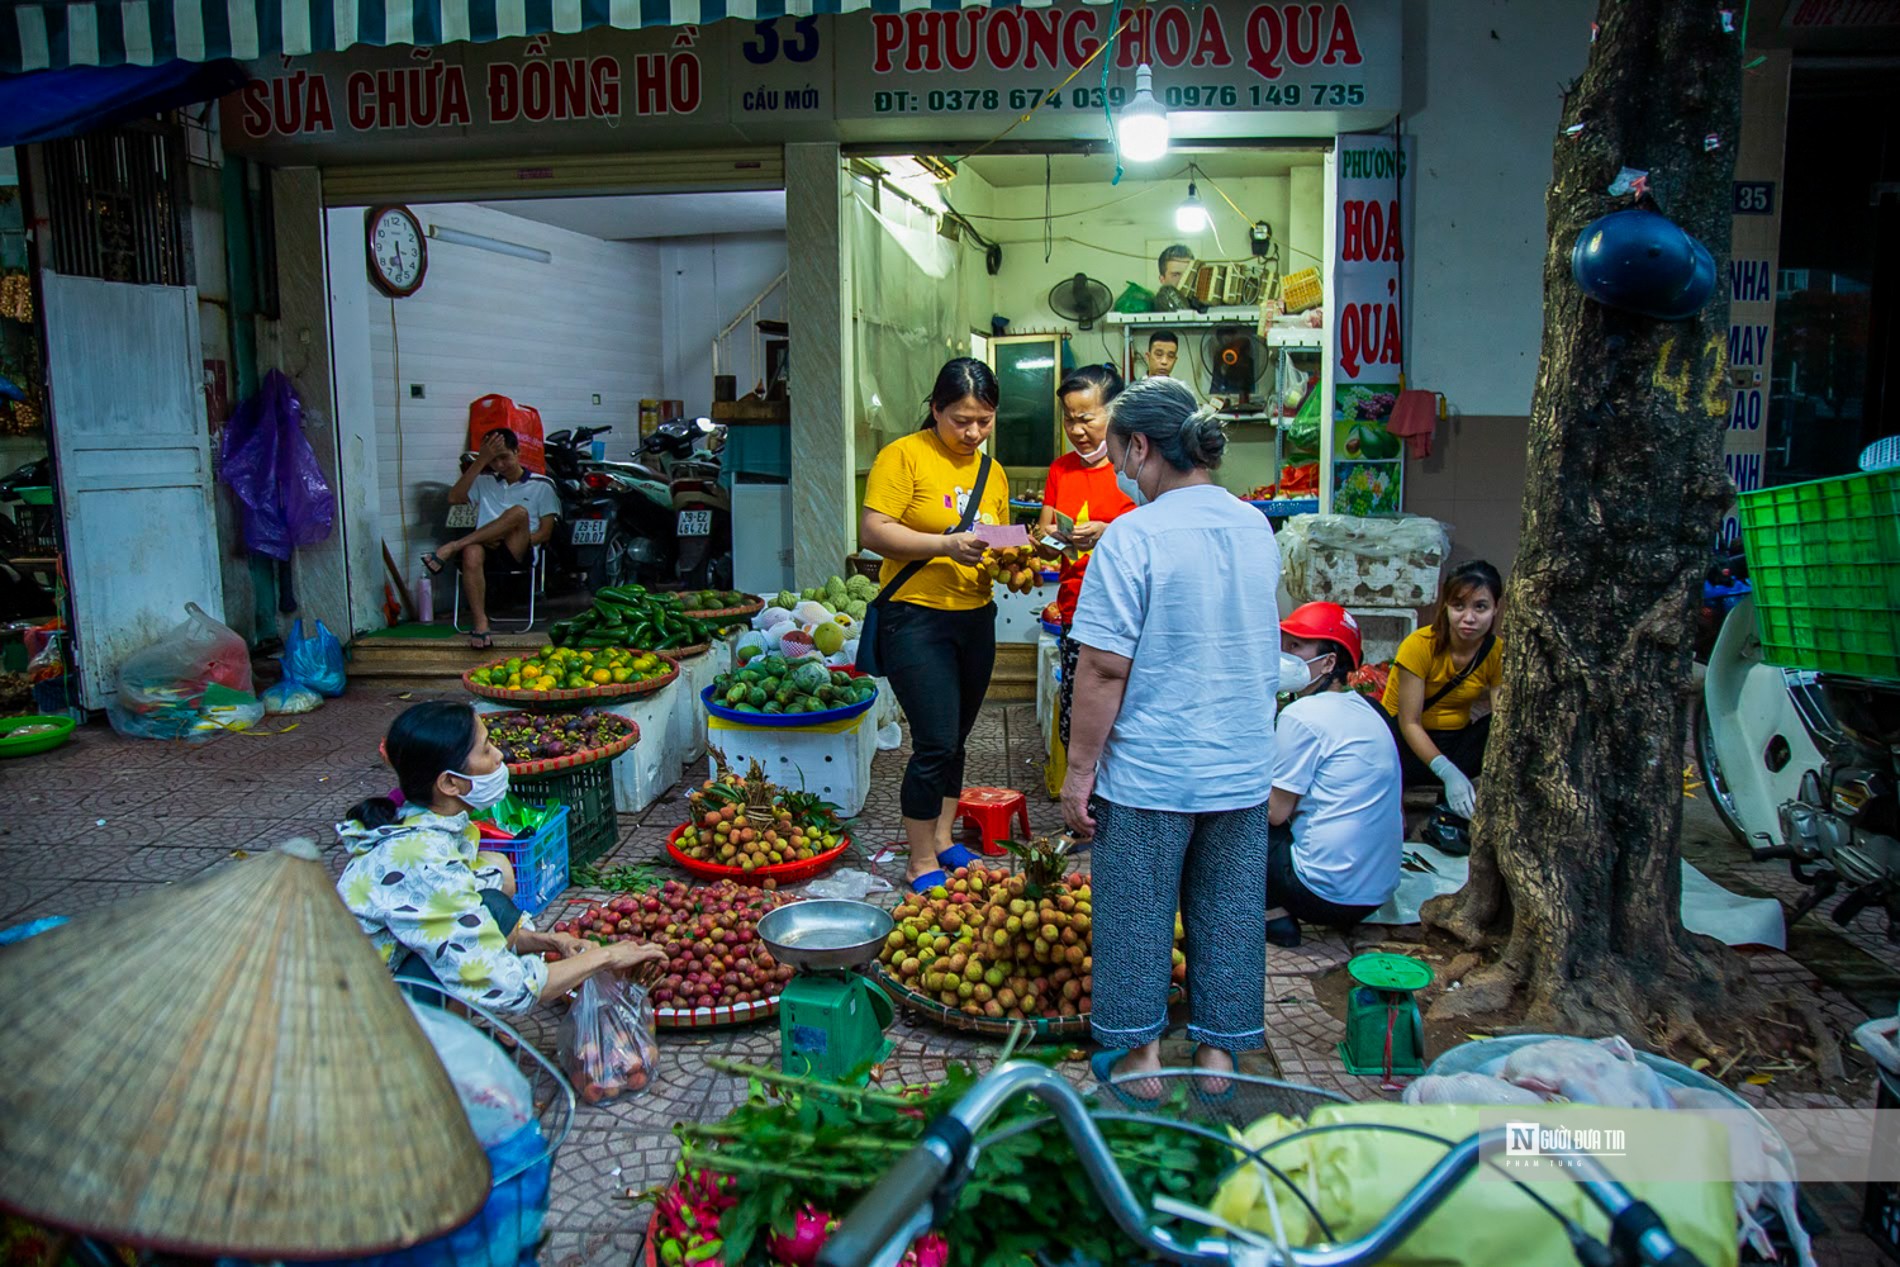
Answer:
x=628 y=616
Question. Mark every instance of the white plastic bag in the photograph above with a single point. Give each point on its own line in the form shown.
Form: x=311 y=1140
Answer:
x=291 y=697
x=854 y=886
x=493 y=1091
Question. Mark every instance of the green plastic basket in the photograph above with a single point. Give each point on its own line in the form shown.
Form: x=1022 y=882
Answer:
x=588 y=793
x=1824 y=559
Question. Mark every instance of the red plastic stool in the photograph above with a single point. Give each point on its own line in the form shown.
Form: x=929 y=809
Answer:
x=990 y=809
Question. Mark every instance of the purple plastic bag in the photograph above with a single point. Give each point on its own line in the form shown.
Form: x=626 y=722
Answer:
x=273 y=470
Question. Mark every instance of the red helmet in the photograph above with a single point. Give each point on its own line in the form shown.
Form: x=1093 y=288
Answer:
x=1328 y=622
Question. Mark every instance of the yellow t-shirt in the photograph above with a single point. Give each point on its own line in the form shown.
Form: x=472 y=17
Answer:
x=1419 y=655
x=921 y=484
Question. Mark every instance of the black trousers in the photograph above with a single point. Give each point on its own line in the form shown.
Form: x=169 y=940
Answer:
x=1286 y=889
x=939 y=664
x=1464 y=746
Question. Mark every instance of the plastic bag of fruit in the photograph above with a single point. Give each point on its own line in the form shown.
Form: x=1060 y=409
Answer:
x=607 y=1042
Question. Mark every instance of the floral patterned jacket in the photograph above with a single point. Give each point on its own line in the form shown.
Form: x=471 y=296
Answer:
x=414 y=885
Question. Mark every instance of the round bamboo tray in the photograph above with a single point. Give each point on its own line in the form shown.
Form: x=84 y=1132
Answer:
x=723 y=1016
x=950 y=1018
x=746 y=610
x=573 y=760
x=782 y=872
x=686 y=653
x=611 y=690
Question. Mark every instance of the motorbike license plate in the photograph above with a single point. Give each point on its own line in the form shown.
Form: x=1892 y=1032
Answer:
x=590 y=532
x=695 y=523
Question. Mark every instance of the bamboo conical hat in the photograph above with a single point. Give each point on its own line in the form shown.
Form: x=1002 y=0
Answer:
x=226 y=1067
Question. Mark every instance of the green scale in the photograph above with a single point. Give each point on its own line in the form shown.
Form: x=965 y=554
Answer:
x=1384 y=1034
x=831 y=1021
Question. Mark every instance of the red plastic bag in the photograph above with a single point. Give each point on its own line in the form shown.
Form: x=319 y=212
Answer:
x=607 y=1041
x=490 y=412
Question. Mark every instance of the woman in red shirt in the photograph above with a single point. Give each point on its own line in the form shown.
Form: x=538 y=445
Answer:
x=1082 y=486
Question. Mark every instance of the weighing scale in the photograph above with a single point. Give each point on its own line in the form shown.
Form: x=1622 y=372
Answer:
x=1384 y=1034
x=831 y=1021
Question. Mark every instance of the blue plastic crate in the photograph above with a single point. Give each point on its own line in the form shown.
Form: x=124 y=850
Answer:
x=540 y=862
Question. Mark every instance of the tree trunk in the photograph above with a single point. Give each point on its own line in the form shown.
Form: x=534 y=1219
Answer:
x=1575 y=864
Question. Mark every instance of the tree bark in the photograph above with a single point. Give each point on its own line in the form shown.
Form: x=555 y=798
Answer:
x=1575 y=864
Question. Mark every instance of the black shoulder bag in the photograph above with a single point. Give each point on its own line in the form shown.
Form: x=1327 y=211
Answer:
x=1484 y=650
x=868 y=658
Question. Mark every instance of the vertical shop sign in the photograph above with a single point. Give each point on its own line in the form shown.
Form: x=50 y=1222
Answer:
x=1753 y=241
x=1366 y=312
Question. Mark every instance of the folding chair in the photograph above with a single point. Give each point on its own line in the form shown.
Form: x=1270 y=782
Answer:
x=536 y=571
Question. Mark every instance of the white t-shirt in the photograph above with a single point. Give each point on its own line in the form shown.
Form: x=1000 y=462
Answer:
x=1184 y=587
x=534 y=493
x=1336 y=752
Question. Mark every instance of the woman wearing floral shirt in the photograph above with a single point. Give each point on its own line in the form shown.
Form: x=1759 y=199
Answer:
x=432 y=905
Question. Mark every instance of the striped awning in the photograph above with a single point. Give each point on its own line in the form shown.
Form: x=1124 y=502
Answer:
x=49 y=34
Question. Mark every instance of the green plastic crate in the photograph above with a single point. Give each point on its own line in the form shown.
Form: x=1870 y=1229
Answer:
x=588 y=793
x=1824 y=559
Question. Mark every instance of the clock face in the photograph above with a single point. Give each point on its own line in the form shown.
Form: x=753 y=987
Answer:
x=397 y=258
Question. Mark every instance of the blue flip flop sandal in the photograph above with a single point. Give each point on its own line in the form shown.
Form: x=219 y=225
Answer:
x=1102 y=1065
x=958 y=855
x=928 y=881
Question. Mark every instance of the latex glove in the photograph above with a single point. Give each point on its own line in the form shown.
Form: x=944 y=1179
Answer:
x=1459 y=794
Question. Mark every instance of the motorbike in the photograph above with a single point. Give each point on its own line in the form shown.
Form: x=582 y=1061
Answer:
x=616 y=517
x=688 y=453
x=1805 y=767
x=925 y=1181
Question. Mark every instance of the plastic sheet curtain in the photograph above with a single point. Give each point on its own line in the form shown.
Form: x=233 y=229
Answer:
x=907 y=294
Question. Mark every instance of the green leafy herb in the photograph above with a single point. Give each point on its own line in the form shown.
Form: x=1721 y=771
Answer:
x=637 y=877
x=797 y=1140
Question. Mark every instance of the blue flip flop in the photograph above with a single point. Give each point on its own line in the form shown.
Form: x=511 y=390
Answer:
x=958 y=855
x=928 y=881
x=1204 y=1075
x=1102 y=1065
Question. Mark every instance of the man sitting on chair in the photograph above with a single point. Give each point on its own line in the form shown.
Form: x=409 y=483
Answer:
x=515 y=511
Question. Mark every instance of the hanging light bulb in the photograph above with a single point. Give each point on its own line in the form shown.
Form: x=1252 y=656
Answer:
x=1143 y=130
x=1191 y=215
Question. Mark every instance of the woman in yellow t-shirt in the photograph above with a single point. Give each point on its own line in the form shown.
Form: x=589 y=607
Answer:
x=1439 y=674
x=937 y=631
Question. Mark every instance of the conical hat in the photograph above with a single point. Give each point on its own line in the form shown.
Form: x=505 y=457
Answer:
x=226 y=1067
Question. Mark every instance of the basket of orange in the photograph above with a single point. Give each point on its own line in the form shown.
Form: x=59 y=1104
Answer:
x=565 y=674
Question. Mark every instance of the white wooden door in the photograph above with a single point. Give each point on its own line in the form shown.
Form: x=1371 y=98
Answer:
x=134 y=457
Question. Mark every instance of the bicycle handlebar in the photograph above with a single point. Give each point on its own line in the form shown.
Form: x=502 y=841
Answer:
x=898 y=1209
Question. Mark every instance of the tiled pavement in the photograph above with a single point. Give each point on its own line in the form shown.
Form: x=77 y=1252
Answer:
x=105 y=818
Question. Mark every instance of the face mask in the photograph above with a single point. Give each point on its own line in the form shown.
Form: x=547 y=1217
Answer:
x=1095 y=456
x=1296 y=674
x=1130 y=486
x=488 y=788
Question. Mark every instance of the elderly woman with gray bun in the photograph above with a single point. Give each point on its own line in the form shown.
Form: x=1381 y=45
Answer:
x=1171 y=746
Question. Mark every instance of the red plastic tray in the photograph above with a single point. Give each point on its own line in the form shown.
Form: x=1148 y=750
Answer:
x=783 y=872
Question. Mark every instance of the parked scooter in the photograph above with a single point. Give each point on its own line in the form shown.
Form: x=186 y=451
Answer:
x=1802 y=766
x=616 y=516
x=702 y=527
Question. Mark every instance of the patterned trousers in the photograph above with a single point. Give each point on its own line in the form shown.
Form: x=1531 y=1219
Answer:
x=1146 y=864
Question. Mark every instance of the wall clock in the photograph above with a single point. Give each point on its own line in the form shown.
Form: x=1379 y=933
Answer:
x=398 y=251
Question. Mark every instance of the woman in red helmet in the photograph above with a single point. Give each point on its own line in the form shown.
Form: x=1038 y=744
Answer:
x=1336 y=819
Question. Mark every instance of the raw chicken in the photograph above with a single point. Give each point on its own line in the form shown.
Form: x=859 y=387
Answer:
x=1467 y=1088
x=1757 y=1162
x=1605 y=1072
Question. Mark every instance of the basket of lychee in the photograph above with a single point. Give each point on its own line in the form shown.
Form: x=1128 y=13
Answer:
x=748 y=829
x=717 y=971
x=991 y=949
